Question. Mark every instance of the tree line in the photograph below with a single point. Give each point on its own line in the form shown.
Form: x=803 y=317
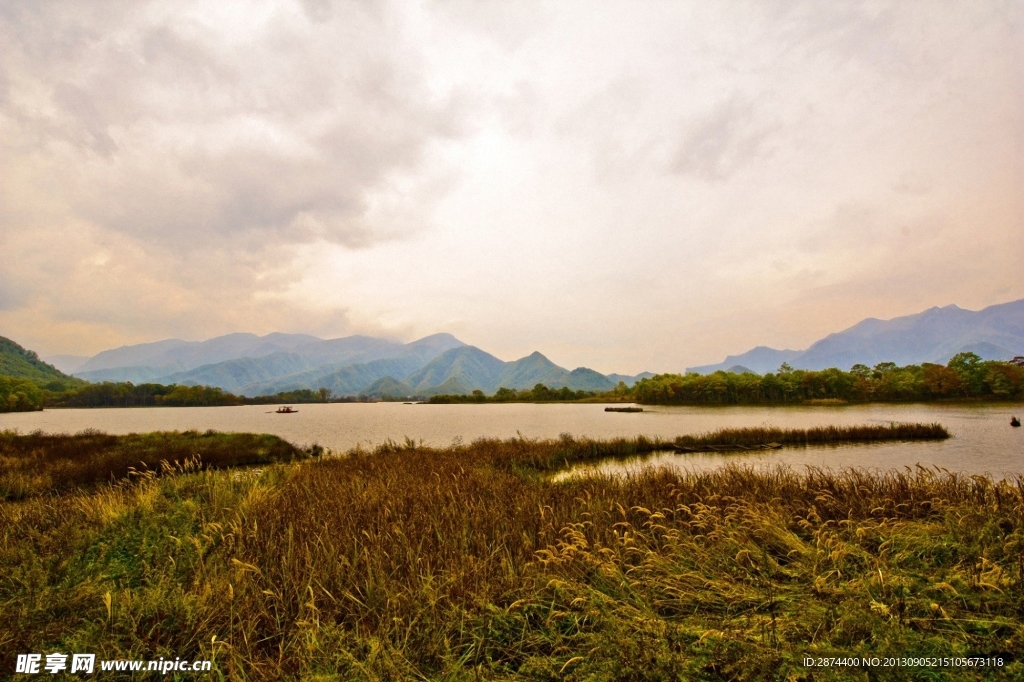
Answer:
x=24 y=395
x=965 y=376
x=539 y=393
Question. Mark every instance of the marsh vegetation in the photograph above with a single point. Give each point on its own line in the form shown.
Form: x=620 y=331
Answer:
x=39 y=463
x=469 y=562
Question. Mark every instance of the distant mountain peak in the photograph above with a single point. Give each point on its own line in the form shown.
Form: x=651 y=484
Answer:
x=537 y=357
x=933 y=335
x=440 y=336
x=440 y=342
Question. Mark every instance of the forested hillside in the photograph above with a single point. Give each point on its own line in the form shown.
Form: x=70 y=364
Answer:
x=22 y=363
x=24 y=378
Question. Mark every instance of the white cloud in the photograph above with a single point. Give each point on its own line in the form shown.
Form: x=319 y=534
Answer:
x=622 y=185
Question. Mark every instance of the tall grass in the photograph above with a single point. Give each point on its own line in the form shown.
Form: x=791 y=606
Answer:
x=39 y=463
x=419 y=563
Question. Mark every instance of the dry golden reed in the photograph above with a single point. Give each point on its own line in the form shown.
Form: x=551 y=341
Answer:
x=469 y=562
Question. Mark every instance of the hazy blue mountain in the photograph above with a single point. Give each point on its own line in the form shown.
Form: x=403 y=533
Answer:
x=139 y=355
x=629 y=379
x=66 y=363
x=467 y=369
x=525 y=373
x=470 y=367
x=429 y=347
x=176 y=361
x=387 y=386
x=136 y=375
x=349 y=366
x=362 y=349
x=761 y=360
x=234 y=346
x=529 y=371
x=459 y=370
x=451 y=386
x=233 y=375
x=935 y=335
x=317 y=377
x=930 y=336
x=349 y=379
x=586 y=379
x=175 y=355
x=984 y=350
x=348 y=349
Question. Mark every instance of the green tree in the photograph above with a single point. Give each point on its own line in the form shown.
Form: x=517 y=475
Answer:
x=505 y=394
x=964 y=362
x=1002 y=382
x=941 y=382
x=969 y=367
x=860 y=370
x=882 y=368
x=19 y=395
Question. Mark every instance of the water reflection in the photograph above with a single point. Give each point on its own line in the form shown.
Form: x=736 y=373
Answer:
x=872 y=456
x=983 y=440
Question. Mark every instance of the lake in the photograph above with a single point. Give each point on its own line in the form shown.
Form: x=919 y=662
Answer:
x=983 y=441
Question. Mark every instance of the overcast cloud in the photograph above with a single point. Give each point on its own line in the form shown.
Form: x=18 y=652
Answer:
x=626 y=186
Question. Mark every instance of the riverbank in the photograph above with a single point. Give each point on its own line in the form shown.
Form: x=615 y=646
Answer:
x=467 y=562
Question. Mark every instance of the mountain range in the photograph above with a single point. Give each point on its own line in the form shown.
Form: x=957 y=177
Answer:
x=362 y=365
x=354 y=365
x=935 y=335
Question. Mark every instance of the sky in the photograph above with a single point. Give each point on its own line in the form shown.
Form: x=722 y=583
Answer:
x=626 y=186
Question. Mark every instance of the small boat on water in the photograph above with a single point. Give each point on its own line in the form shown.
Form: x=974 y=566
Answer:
x=286 y=410
x=1014 y=421
x=623 y=409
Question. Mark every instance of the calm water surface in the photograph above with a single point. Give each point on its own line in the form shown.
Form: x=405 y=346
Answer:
x=983 y=441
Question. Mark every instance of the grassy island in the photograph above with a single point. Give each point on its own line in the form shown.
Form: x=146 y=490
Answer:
x=470 y=563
